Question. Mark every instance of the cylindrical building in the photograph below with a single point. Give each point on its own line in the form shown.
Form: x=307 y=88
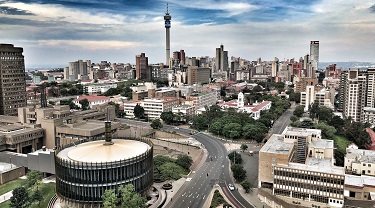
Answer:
x=84 y=171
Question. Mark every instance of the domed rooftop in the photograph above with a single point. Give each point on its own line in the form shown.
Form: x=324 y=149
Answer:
x=96 y=151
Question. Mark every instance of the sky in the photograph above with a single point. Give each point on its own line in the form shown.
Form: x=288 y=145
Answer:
x=55 y=32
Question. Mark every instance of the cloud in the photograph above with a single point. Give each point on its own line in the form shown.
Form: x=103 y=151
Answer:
x=13 y=11
x=88 y=44
x=372 y=8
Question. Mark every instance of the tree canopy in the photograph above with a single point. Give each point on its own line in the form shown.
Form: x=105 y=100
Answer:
x=20 y=198
x=139 y=111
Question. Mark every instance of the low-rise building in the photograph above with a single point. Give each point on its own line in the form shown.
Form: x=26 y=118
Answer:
x=359 y=161
x=99 y=88
x=187 y=111
x=299 y=165
x=93 y=100
x=153 y=107
x=201 y=100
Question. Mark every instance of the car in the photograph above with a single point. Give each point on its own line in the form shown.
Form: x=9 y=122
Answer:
x=176 y=127
x=231 y=187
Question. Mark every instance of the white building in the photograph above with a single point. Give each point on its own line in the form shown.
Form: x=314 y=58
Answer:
x=239 y=104
x=99 y=88
x=93 y=100
x=323 y=97
x=185 y=110
x=152 y=107
x=201 y=100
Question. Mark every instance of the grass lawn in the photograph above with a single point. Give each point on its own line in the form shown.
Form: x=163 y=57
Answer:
x=11 y=185
x=47 y=190
x=341 y=142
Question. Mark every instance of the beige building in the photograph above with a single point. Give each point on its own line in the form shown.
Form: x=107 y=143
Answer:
x=51 y=118
x=298 y=165
x=19 y=138
x=359 y=161
x=12 y=77
x=359 y=187
x=323 y=97
x=197 y=75
x=200 y=100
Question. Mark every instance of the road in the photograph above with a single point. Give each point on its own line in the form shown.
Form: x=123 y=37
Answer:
x=215 y=170
x=282 y=122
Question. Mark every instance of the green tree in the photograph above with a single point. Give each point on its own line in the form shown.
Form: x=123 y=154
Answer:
x=37 y=196
x=313 y=110
x=139 y=111
x=110 y=199
x=199 y=122
x=20 y=198
x=217 y=127
x=85 y=104
x=167 y=117
x=64 y=92
x=235 y=157
x=327 y=131
x=338 y=123
x=247 y=186
x=254 y=131
x=156 y=124
x=33 y=177
x=232 y=130
x=130 y=198
x=239 y=173
x=111 y=92
x=170 y=171
x=244 y=147
x=294 y=118
x=184 y=161
x=299 y=111
x=324 y=114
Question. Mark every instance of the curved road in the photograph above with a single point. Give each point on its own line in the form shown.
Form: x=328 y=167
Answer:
x=215 y=170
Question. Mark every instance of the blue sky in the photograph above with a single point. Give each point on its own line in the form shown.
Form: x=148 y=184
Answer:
x=54 y=32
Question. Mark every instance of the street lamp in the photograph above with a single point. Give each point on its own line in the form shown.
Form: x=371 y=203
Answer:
x=10 y=161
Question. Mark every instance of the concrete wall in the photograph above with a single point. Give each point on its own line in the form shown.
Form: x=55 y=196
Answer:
x=12 y=174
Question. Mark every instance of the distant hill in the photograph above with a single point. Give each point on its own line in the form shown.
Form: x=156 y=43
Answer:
x=347 y=65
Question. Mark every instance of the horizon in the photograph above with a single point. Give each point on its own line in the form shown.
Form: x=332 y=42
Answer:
x=58 y=32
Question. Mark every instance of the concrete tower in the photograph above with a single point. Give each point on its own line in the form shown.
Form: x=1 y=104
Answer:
x=167 y=22
x=314 y=54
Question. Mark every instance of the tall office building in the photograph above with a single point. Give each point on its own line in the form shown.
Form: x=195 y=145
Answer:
x=167 y=23
x=221 y=61
x=142 y=69
x=12 y=80
x=314 y=55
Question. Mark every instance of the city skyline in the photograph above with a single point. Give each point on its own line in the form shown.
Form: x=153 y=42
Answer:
x=56 y=32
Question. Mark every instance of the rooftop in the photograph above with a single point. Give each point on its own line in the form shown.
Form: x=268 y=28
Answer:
x=301 y=131
x=317 y=165
x=97 y=152
x=323 y=144
x=91 y=98
x=276 y=144
x=359 y=181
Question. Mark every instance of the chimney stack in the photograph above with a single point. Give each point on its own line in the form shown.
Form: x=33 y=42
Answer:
x=108 y=133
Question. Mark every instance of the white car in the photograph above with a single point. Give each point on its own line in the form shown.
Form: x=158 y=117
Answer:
x=231 y=187
x=176 y=127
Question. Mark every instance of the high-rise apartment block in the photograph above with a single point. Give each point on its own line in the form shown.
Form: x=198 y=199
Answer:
x=76 y=70
x=356 y=92
x=221 y=61
x=142 y=69
x=12 y=80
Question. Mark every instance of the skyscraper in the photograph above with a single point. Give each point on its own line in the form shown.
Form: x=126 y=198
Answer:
x=221 y=61
x=12 y=80
x=314 y=54
x=167 y=23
